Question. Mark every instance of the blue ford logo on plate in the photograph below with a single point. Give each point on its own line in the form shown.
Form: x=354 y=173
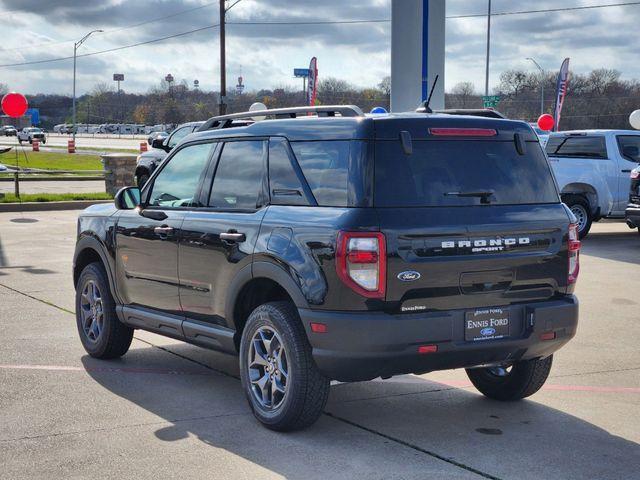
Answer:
x=487 y=332
x=409 y=276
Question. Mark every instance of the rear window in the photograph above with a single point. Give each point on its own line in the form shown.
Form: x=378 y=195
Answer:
x=325 y=165
x=578 y=147
x=440 y=173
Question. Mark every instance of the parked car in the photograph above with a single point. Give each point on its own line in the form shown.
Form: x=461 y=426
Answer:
x=632 y=213
x=154 y=135
x=29 y=134
x=542 y=134
x=592 y=168
x=8 y=131
x=148 y=161
x=343 y=248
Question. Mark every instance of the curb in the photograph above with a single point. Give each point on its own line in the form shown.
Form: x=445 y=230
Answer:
x=51 y=179
x=49 y=206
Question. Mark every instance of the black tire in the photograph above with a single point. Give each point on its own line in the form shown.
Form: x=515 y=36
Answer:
x=523 y=379
x=306 y=390
x=30 y=140
x=141 y=179
x=582 y=210
x=114 y=337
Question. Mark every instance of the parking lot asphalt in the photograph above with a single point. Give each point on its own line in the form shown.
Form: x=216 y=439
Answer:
x=169 y=410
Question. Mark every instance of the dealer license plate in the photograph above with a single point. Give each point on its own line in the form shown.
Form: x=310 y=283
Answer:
x=486 y=324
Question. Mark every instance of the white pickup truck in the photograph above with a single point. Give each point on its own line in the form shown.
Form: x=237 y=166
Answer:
x=593 y=169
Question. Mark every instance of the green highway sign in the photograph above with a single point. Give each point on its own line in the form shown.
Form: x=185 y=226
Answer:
x=490 y=101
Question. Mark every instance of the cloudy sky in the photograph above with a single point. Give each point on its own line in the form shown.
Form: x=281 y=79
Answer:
x=35 y=30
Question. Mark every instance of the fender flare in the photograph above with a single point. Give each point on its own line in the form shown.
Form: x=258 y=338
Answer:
x=261 y=269
x=92 y=243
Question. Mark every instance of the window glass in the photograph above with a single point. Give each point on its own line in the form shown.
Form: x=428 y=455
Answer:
x=630 y=147
x=177 y=183
x=440 y=173
x=579 y=147
x=286 y=187
x=325 y=165
x=179 y=135
x=239 y=176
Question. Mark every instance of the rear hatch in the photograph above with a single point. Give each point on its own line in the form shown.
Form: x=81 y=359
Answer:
x=470 y=213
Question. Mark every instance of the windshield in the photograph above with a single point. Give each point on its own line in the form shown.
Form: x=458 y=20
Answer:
x=461 y=173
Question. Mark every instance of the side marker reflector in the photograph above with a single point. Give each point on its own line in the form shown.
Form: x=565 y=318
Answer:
x=318 y=327
x=424 y=349
x=548 y=336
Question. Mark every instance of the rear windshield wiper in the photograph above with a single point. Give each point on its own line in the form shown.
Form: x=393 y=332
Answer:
x=483 y=195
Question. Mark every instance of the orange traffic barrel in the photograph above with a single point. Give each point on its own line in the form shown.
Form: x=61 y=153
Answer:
x=36 y=145
x=71 y=146
x=143 y=147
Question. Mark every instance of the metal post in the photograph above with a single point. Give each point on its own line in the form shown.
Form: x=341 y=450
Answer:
x=75 y=50
x=486 y=83
x=223 y=67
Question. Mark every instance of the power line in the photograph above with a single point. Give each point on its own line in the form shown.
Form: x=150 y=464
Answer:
x=317 y=22
x=547 y=10
x=115 y=49
x=115 y=30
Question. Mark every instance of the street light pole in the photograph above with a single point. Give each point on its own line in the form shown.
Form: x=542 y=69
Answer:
x=486 y=82
x=75 y=51
x=541 y=84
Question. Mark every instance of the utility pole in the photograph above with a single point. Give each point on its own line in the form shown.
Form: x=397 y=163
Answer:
x=223 y=67
x=486 y=82
x=542 y=79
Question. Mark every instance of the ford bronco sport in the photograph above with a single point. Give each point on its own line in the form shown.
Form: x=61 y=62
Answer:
x=324 y=244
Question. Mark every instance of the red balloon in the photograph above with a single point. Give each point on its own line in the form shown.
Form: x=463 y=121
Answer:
x=14 y=104
x=546 y=122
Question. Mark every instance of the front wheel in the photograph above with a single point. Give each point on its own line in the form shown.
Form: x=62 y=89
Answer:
x=102 y=334
x=283 y=385
x=515 y=382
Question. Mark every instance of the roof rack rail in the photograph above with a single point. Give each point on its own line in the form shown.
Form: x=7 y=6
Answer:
x=226 y=121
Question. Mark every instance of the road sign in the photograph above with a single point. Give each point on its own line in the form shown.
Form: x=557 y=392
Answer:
x=301 y=72
x=490 y=101
x=118 y=77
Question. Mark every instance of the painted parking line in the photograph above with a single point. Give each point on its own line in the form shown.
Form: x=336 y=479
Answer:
x=135 y=370
x=171 y=371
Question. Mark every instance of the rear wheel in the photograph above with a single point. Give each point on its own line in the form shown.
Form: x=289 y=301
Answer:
x=283 y=385
x=101 y=333
x=580 y=207
x=515 y=382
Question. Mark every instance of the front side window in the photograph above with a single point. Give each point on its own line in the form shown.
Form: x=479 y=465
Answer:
x=630 y=147
x=238 y=179
x=176 y=185
x=577 y=147
x=179 y=135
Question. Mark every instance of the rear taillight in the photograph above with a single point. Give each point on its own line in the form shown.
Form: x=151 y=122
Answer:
x=574 y=254
x=361 y=262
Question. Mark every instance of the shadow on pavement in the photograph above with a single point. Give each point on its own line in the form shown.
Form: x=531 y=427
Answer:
x=619 y=246
x=514 y=440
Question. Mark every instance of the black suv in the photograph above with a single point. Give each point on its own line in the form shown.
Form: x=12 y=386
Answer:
x=325 y=244
x=632 y=212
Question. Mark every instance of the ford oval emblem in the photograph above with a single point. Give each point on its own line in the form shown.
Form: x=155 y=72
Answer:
x=487 y=332
x=409 y=276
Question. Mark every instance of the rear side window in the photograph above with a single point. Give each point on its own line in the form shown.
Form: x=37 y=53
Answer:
x=578 y=147
x=449 y=173
x=630 y=147
x=325 y=165
x=239 y=174
x=286 y=186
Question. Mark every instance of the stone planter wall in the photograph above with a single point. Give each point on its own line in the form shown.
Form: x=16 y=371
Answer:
x=119 y=171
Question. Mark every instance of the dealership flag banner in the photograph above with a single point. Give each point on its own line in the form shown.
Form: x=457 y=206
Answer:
x=312 y=87
x=561 y=92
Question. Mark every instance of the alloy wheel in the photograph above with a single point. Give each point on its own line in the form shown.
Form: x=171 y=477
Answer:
x=268 y=368
x=92 y=311
x=581 y=214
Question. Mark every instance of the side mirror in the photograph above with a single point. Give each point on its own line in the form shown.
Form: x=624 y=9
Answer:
x=158 y=142
x=127 y=198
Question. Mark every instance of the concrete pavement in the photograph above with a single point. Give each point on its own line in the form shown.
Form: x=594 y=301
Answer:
x=167 y=409
x=82 y=142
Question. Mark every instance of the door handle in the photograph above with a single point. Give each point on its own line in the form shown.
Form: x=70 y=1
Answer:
x=626 y=171
x=233 y=237
x=163 y=230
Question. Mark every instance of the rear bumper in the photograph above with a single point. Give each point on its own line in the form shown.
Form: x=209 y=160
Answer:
x=632 y=216
x=364 y=345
